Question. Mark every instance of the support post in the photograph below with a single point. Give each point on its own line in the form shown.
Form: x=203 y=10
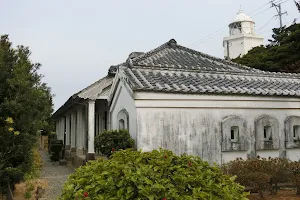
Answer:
x=91 y=130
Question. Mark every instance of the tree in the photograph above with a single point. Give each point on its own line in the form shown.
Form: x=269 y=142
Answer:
x=280 y=55
x=23 y=98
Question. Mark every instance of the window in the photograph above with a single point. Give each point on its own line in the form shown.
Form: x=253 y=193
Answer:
x=123 y=119
x=234 y=133
x=121 y=124
x=267 y=133
x=296 y=132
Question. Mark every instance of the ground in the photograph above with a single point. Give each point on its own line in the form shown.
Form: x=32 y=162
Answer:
x=282 y=195
x=52 y=179
x=55 y=174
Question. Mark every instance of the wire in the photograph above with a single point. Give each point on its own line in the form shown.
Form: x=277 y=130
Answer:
x=262 y=11
x=285 y=1
x=265 y=24
x=213 y=33
x=259 y=8
x=205 y=37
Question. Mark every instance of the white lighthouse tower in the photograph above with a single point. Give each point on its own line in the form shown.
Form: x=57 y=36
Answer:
x=242 y=37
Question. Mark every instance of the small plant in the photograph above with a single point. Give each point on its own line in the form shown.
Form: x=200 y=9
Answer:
x=27 y=194
x=159 y=174
x=109 y=141
x=29 y=189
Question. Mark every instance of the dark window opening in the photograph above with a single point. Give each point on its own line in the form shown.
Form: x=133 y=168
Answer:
x=267 y=133
x=121 y=124
x=296 y=131
x=234 y=133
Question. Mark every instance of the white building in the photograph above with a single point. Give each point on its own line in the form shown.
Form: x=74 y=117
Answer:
x=189 y=102
x=242 y=37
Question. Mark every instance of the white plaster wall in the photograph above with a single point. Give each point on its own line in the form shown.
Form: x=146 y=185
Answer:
x=241 y=44
x=229 y=156
x=192 y=123
x=123 y=100
x=293 y=154
x=236 y=47
x=251 y=42
x=267 y=153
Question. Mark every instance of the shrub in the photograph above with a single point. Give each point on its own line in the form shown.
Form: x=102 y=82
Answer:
x=295 y=170
x=150 y=175
x=260 y=174
x=109 y=141
x=56 y=147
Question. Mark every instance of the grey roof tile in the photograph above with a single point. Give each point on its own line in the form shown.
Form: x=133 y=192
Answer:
x=174 y=68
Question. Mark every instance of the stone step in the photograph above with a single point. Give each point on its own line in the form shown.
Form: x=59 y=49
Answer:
x=62 y=162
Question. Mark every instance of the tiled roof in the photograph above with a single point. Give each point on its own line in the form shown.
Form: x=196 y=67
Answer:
x=95 y=90
x=98 y=90
x=177 y=69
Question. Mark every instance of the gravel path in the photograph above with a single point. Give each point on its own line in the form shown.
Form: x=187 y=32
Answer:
x=55 y=174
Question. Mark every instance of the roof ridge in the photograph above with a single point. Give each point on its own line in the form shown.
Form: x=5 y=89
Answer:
x=153 y=51
x=244 y=67
x=244 y=73
x=91 y=85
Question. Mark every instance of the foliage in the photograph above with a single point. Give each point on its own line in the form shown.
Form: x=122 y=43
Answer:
x=295 y=169
x=55 y=149
x=29 y=189
x=109 y=141
x=280 y=55
x=10 y=174
x=150 y=175
x=27 y=101
x=260 y=174
x=37 y=164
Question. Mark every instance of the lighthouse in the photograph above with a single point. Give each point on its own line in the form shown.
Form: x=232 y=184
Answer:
x=242 y=37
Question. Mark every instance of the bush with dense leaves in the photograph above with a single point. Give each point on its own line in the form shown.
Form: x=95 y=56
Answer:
x=55 y=149
x=152 y=175
x=295 y=170
x=261 y=174
x=110 y=141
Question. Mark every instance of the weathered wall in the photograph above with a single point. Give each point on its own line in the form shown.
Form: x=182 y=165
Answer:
x=192 y=123
x=123 y=101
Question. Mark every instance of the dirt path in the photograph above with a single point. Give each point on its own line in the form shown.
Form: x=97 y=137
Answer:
x=55 y=174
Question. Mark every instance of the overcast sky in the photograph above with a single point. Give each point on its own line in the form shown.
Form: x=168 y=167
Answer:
x=76 y=41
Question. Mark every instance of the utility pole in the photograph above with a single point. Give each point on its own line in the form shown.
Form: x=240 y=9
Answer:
x=278 y=9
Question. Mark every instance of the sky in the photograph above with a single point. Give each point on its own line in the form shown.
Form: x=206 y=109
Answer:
x=77 y=41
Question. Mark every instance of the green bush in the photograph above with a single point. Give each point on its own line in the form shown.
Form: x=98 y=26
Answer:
x=152 y=175
x=110 y=141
